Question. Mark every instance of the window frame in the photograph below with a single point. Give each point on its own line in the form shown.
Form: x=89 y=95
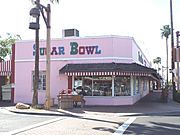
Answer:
x=42 y=77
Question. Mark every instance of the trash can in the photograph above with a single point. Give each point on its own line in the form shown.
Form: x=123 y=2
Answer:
x=65 y=101
x=6 y=92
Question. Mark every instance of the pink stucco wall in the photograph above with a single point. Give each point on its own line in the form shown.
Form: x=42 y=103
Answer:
x=113 y=49
x=122 y=100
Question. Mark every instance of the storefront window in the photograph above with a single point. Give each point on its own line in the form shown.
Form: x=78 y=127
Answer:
x=42 y=80
x=83 y=85
x=144 y=85
x=102 y=86
x=134 y=85
x=137 y=85
x=122 y=86
x=93 y=86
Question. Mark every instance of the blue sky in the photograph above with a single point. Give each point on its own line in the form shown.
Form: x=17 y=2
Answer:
x=141 y=19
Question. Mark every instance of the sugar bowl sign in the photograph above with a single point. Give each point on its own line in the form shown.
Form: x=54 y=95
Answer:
x=75 y=49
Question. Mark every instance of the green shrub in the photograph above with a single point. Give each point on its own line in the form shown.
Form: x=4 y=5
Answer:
x=177 y=96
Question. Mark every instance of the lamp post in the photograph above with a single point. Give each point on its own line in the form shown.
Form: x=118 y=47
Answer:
x=35 y=13
x=48 y=40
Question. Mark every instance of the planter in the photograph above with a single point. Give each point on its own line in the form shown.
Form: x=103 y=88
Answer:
x=65 y=101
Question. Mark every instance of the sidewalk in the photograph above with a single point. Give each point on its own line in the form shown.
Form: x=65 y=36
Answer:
x=149 y=105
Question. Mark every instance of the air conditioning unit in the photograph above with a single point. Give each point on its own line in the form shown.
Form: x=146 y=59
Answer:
x=70 y=33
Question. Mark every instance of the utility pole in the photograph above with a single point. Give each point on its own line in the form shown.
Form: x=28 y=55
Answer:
x=48 y=43
x=177 y=58
x=172 y=47
x=35 y=13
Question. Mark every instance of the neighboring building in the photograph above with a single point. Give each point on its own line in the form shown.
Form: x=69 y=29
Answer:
x=7 y=79
x=112 y=70
x=5 y=72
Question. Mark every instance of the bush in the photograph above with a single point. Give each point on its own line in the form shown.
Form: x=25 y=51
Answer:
x=177 y=96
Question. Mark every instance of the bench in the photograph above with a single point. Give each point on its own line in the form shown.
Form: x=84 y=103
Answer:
x=79 y=99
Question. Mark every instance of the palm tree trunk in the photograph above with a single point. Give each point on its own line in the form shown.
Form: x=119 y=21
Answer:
x=167 y=61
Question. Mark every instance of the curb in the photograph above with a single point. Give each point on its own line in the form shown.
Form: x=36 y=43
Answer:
x=43 y=114
x=167 y=113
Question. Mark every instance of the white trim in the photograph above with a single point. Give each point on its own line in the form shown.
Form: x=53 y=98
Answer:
x=65 y=59
x=124 y=126
x=72 y=82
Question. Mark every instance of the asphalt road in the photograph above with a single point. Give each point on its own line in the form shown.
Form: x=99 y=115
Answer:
x=11 y=121
x=165 y=124
x=20 y=124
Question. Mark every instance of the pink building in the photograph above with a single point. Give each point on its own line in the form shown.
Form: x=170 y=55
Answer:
x=112 y=70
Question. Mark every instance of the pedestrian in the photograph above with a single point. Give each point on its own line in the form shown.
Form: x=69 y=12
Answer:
x=74 y=92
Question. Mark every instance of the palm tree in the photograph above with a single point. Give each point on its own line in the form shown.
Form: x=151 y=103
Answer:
x=165 y=32
x=157 y=61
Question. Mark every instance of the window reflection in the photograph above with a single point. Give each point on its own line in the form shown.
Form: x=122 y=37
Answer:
x=122 y=86
x=102 y=86
x=94 y=86
x=83 y=83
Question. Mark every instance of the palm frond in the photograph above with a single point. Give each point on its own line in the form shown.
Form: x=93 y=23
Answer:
x=165 y=31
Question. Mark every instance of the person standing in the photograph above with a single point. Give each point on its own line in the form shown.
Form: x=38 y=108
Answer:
x=74 y=92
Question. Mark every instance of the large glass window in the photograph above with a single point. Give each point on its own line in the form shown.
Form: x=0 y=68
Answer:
x=122 y=86
x=93 y=86
x=83 y=85
x=41 y=81
x=137 y=85
x=102 y=86
x=134 y=85
x=144 y=85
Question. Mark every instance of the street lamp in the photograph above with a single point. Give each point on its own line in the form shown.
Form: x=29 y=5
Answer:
x=34 y=13
x=46 y=18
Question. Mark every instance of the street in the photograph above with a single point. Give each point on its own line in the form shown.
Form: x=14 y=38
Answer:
x=21 y=124
x=155 y=125
x=11 y=121
x=108 y=124
x=148 y=117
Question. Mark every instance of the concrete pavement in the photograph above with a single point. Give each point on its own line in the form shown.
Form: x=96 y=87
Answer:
x=149 y=105
x=97 y=120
